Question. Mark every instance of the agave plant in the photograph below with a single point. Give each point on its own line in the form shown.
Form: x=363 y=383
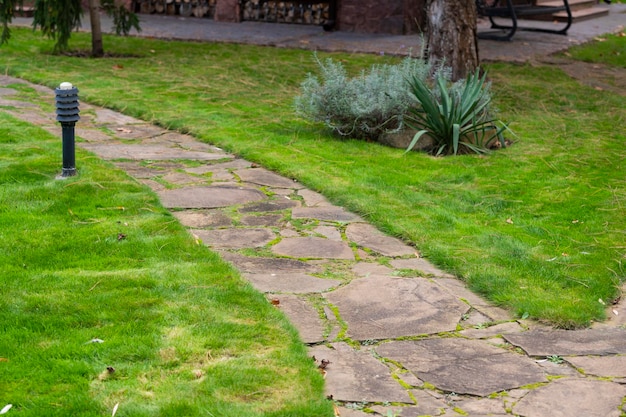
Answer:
x=457 y=118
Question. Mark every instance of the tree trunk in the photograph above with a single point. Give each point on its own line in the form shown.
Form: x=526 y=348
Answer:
x=452 y=39
x=97 y=48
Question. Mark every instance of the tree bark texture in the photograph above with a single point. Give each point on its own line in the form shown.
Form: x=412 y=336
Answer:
x=452 y=39
x=97 y=47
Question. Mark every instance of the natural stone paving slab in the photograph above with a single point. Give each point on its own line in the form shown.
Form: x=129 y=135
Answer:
x=295 y=283
x=332 y=213
x=573 y=397
x=427 y=405
x=268 y=265
x=419 y=264
x=266 y=220
x=106 y=116
x=365 y=269
x=511 y=327
x=482 y=406
x=357 y=376
x=564 y=343
x=146 y=152
x=368 y=236
x=304 y=317
x=383 y=307
x=179 y=178
x=268 y=206
x=209 y=197
x=458 y=289
x=93 y=135
x=203 y=218
x=311 y=198
x=139 y=131
x=463 y=366
x=262 y=176
x=313 y=247
x=603 y=366
x=221 y=169
x=329 y=232
x=235 y=238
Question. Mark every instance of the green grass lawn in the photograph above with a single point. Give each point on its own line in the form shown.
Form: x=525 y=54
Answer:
x=537 y=228
x=150 y=320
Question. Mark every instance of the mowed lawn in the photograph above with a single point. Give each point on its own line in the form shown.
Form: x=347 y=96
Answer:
x=537 y=228
x=108 y=306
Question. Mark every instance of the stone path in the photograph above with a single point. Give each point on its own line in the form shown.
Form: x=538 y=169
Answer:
x=391 y=332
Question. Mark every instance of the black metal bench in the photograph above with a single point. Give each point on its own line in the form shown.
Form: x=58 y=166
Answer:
x=507 y=9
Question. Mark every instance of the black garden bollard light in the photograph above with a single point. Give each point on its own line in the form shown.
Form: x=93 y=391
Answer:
x=67 y=114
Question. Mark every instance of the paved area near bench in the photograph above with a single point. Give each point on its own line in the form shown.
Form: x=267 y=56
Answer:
x=421 y=343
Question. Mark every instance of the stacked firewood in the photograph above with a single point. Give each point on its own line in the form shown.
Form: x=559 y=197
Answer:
x=197 y=8
x=286 y=12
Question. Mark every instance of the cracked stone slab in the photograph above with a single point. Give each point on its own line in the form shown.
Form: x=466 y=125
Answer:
x=367 y=236
x=146 y=152
x=603 y=366
x=356 y=376
x=203 y=218
x=573 y=397
x=260 y=265
x=262 y=176
x=313 y=247
x=571 y=342
x=209 y=197
x=384 y=307
x=303 y=316
x=233 y=238
x=296 y=283
x=331 y=213
x=464 y=366
x=419 y=264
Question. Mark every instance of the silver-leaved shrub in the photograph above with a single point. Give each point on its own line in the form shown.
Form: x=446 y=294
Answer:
x=366 y=106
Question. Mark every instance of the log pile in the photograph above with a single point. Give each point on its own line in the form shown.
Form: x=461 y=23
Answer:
x=286 y=12
x=197 y=8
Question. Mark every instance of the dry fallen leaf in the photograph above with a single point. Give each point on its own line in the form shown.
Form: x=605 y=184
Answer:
x=275 y=301
x=4 y=360
x=509 y=220
x=324 y=364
